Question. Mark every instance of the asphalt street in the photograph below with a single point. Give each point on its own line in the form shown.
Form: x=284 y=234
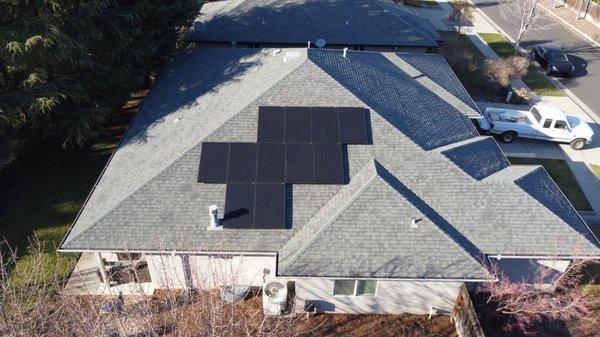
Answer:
x=585 y=83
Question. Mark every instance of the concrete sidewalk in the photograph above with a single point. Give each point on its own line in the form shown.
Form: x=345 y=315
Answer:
x=578 y=161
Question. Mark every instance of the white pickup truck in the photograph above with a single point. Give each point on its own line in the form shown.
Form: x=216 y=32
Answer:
x=541 y=122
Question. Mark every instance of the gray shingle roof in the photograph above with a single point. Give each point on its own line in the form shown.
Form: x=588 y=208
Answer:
x=339 y=22
x=158 y=204
x=479 y=159
x=380 y=234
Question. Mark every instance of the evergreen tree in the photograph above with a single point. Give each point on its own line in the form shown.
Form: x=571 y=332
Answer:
x=66 y=64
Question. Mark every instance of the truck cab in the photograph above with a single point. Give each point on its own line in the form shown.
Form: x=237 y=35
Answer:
x=540 y=122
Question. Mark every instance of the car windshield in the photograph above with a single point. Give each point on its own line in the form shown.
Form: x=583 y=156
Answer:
x=560 y=57
x=536 y=115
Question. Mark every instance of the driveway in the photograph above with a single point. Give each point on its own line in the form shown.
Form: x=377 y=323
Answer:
x=585 y=56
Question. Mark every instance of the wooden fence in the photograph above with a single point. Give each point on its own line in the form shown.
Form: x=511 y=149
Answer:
x=464 y=316
x=587 y=9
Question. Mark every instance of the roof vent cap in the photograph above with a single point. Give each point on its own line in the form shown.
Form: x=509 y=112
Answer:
x=413 y=223
x=320 y=43
x=214 y=218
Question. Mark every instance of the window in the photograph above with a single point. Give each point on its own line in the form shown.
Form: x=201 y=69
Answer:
x=536 y=115
x=354 y=287
x=547 y=123
x=560 y=57
x=561 y=125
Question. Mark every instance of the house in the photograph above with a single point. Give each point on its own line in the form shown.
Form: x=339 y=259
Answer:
x=358 y=177
x=359 y=25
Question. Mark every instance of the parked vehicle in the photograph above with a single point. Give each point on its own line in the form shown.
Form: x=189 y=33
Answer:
x=553 y=59
x=540 y=122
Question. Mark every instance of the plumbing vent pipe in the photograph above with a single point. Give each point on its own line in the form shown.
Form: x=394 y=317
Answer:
x=413 y=223
x=345 y=50
x=214 y=218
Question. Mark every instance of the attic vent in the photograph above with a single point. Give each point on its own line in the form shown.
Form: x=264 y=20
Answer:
x=320 y=43
x=413 y=223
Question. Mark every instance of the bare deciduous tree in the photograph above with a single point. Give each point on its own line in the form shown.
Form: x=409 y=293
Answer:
x=504 y=70
x=549 y=295
x=31 y=305
x=461 y=13
x=524 y=15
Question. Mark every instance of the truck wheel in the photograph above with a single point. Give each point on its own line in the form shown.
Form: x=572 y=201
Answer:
x=508 y=136
x=578 y=144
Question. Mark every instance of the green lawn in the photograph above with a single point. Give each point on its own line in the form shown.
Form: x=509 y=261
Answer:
x=596 y=169
x=41 y=197
x=561 y=173
x=535 y=79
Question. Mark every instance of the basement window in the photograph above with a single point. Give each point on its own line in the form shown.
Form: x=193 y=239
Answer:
x=354 y=287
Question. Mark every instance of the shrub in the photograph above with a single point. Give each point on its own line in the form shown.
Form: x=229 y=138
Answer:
x=504 y=70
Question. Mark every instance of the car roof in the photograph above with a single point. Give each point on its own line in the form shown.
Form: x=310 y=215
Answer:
x=552 y=47
x=550 y=112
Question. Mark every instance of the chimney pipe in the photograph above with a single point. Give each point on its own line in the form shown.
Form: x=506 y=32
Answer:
x=214 y=220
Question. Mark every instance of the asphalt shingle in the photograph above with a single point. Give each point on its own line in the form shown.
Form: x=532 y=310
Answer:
x=338 y=22
x=165 y=208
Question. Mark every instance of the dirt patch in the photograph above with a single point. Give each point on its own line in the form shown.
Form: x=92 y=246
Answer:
x=378 y=325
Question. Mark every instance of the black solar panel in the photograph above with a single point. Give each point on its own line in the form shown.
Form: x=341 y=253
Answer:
x=329 y=167
x=213 y=163
x=299 y=167
x=269 y=206
x=271 y=162
x=270 y=124
x=297 y=124
x=352 y=125
x=324 y=125
x=242 y=162
x=239 y=205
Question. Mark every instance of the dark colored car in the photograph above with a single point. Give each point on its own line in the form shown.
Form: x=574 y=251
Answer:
x=553 y=59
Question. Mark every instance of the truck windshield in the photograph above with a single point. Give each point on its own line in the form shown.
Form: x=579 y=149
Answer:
x=536 y=115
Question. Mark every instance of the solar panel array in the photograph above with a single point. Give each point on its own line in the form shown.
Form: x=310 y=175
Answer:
x=296 y=145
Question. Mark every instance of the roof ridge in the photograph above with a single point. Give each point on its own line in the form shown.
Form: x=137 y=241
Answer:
x=458 y=144
x=503 y=176
x=176 y=160
x=287 y=260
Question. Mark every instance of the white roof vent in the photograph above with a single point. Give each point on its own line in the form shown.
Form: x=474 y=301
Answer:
x=214 y=218
x=413 y=223
x=320 y=43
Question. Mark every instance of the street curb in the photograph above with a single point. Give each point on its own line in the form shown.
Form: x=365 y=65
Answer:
x=573 y=28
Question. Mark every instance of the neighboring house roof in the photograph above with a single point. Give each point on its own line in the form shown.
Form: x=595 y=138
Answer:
x=338 y=22
x=426 y=161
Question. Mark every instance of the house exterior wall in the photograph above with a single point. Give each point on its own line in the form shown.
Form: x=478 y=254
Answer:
x=166 y=271
x=209 y=270
x=391 y=297
x=214 y=270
